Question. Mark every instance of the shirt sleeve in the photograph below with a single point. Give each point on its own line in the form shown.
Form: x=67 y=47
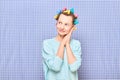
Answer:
x=52 y=61
x=76 y=49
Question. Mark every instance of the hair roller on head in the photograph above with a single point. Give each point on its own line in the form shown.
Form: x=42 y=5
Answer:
x=64 y=9
x=68 y=12
x=76 y=21
x=72 y=10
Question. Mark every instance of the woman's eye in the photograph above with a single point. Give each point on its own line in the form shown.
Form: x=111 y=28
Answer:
x=60 y=23
x=66 y=24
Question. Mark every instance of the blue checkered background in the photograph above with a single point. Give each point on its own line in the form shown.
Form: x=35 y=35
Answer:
x=24 y=24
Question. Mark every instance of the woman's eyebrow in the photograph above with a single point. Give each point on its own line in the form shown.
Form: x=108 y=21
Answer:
x=59 y=21
x=67 y=23
x=64 y=23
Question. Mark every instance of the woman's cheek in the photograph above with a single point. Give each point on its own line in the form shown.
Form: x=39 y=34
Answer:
x=57 y=27
x=67 y=31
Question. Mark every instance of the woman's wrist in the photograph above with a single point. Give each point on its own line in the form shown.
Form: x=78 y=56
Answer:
x=67 y=44
x=62 y=44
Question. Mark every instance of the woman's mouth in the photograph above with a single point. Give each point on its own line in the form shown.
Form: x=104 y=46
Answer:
x=61 y=30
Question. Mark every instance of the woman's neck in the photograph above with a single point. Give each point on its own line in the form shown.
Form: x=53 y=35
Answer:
x=59 y=38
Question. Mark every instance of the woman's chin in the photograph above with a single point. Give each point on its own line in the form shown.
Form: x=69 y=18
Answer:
x=62 y=34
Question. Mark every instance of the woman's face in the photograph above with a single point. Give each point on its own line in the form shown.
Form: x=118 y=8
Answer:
x=64 y=24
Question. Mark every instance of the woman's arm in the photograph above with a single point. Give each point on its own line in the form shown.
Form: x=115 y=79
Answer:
x=74 y=58
x=60 y=51
x=70 y=56
x=73 y=54
x=50 y=60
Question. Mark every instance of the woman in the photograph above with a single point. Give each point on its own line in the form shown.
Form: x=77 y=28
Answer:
x=61 y=54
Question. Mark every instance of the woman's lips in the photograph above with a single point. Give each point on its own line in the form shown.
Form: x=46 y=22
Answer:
x=61 y=30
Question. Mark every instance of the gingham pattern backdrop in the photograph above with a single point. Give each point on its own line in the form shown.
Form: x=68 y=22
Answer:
x=24 y=24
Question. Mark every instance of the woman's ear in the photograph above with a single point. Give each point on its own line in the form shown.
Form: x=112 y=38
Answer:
x=73 y=25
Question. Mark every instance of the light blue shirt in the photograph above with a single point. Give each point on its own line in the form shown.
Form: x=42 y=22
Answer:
x=56 y=68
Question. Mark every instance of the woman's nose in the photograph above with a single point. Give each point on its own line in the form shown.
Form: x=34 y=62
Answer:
x=62 y=26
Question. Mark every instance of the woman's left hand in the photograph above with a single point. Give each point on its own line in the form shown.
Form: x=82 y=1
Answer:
x=68 y=36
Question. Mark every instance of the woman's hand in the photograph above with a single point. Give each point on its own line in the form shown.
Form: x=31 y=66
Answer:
x=66 y=39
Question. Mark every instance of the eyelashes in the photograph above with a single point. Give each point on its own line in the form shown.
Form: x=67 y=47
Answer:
x=66 y=24
x=59 y=22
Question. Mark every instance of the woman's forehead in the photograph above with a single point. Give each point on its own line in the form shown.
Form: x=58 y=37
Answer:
x=64 y=18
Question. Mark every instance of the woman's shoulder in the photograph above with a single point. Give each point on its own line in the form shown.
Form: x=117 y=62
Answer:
x=48 y=41
x=75 y=42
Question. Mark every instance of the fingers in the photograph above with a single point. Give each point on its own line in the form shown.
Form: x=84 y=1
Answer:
x=67 y=37
x=74 y=28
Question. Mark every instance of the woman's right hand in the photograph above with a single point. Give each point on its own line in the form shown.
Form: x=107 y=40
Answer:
x=63 y=41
